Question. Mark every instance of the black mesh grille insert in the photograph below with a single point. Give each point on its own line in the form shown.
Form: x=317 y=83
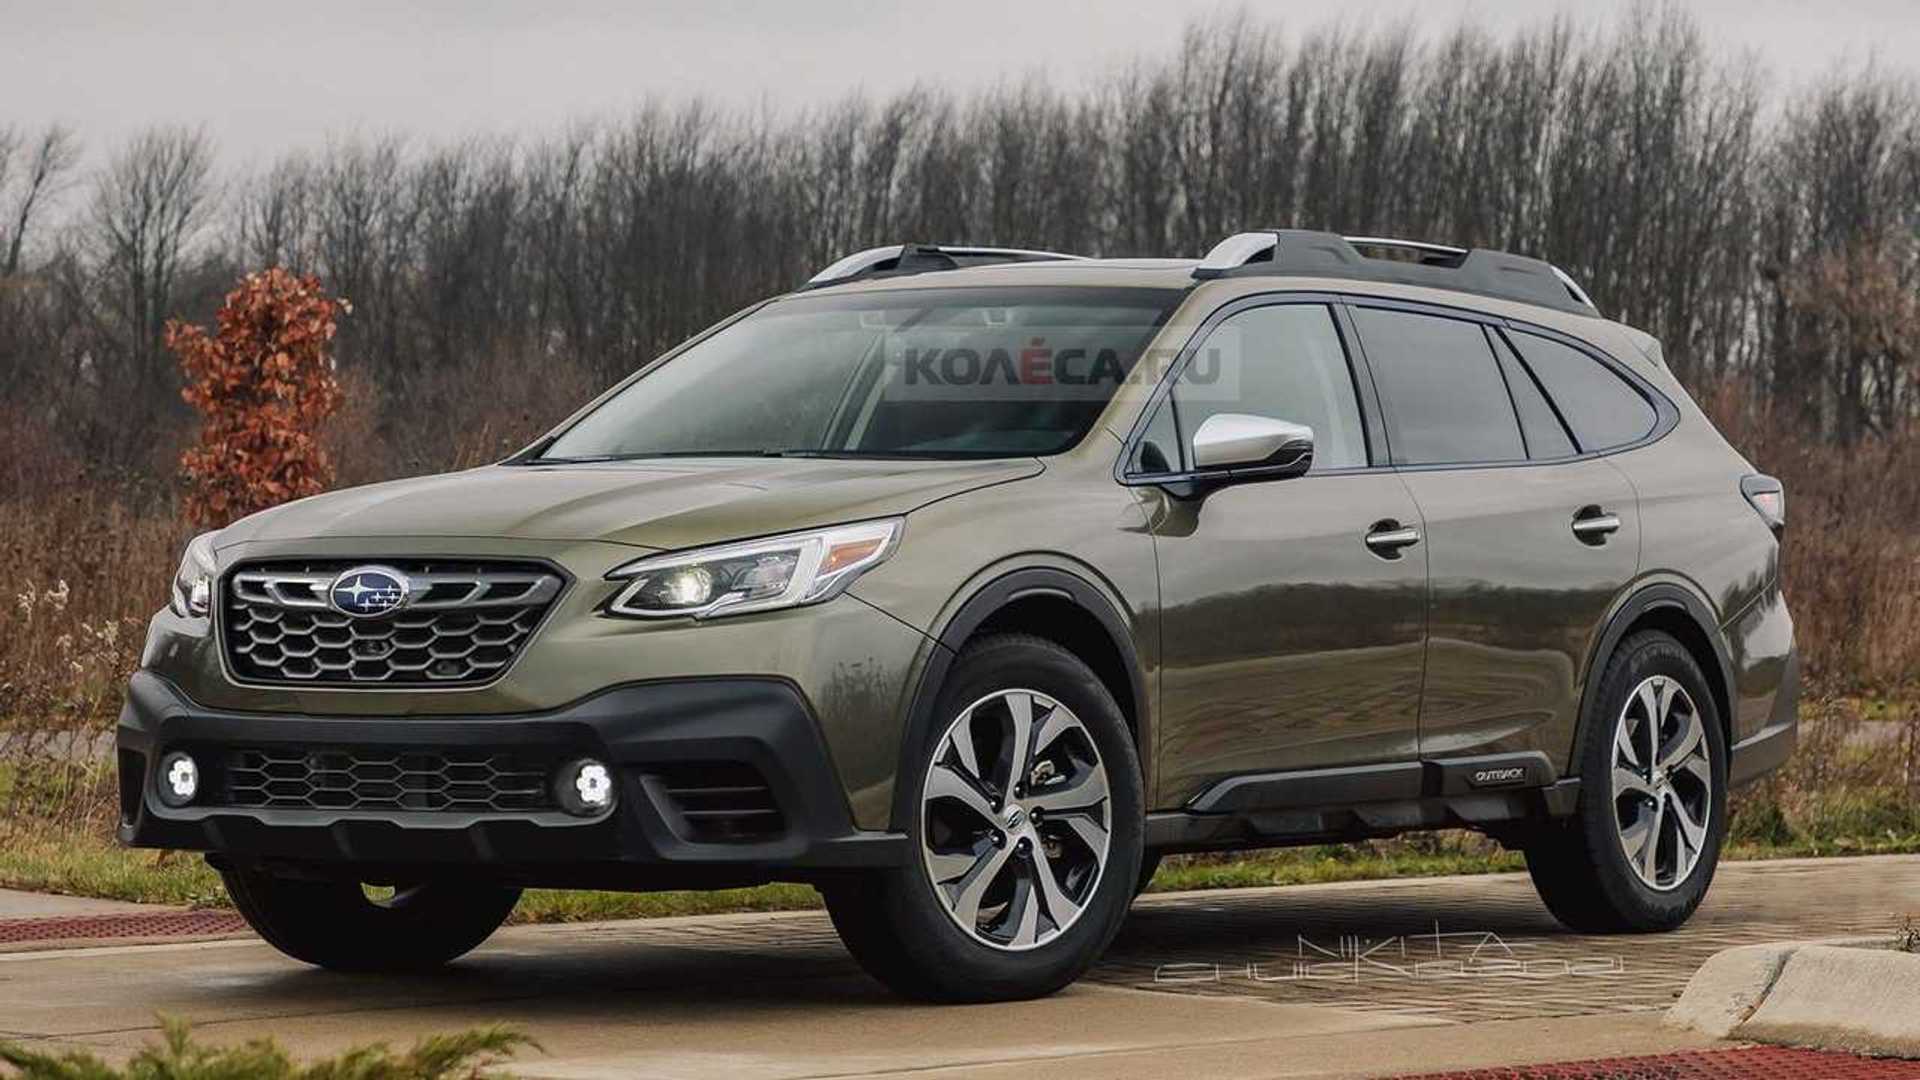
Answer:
x=721 y=802
x=462 y=624
x=384 y=778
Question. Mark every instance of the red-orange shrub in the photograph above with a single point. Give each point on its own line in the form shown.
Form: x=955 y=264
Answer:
x=264 y=384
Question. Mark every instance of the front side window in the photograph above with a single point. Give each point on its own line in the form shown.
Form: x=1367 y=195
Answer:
x=907 y=373
x=1284 y=362
x=1441 y=389
x=1603 y=410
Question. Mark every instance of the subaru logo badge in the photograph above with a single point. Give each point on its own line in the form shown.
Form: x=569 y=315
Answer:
x=367 y=592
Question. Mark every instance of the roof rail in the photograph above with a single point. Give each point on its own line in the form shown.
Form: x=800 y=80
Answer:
x=901 y=259
x=1306 y=253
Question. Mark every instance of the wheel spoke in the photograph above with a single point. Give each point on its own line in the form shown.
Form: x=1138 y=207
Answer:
x=1088 y=789
x=1020 y=709
x=1682 y=745
x=1698 y=768
x=1058 y=722
x=1023 y=914
x=1642 y=838
x=961 y=739
x=1060 y=908
x=944 y=783
x=1091 y=833
x=947 y=866
x=1691 y=831
x=1627 y=780
x=972 y=889
x=1650 y=854
x=1653 y=694
x=1623 y=747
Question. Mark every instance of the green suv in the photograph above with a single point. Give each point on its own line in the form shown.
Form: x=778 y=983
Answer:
x=965 y=583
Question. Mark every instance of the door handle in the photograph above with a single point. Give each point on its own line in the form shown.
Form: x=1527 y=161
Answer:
x=1593 y=525
x=1388 y=537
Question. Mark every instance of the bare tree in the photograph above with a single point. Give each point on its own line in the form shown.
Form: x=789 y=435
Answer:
x=44 y=166
x=149 y=205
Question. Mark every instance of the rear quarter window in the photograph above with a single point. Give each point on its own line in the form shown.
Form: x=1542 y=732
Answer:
x=1603 y=409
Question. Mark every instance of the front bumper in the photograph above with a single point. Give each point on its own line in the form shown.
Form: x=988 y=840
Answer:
x=648 y=840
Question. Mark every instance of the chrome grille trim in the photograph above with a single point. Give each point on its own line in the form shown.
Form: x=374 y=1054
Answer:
x=464 y=623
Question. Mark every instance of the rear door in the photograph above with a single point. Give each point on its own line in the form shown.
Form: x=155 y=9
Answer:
x=1528 y=538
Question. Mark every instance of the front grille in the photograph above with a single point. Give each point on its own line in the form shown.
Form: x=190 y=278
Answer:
x=370 y=778
x=721 y=802
x=462 y=624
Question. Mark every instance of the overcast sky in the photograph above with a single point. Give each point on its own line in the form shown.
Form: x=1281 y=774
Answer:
x=266 y=75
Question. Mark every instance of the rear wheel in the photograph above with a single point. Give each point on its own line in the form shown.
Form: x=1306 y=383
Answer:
x=1642 y=846
x=342 y=926
x=1026 y=837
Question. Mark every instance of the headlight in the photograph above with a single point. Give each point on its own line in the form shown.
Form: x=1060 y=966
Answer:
x=759 y=575
x=192 y=595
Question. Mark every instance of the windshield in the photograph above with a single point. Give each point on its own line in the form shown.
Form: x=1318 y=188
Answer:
x=981 y=372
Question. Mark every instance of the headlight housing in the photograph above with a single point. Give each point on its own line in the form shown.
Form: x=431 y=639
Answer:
x=192 y=594
x=758 y=575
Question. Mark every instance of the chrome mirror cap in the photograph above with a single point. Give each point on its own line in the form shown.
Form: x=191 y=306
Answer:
x=1241 y=440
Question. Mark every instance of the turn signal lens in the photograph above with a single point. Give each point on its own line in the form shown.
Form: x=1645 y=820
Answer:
x=1768 y=499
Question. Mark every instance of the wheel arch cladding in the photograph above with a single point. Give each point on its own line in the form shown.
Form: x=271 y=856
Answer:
x=1046 y=603
x=1678 y=613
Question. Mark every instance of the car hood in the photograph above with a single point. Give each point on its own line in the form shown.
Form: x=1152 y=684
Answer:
x=660 y=505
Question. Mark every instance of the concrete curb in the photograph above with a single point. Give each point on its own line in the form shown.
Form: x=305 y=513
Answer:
x=1856 y=995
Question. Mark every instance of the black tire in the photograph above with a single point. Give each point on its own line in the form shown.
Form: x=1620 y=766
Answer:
x=335 y=925
x=1149 y=863
x=891 y=920
x=1579 y=865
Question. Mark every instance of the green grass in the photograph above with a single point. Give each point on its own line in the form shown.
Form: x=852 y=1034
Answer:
x=56 y=862
x=87 y=866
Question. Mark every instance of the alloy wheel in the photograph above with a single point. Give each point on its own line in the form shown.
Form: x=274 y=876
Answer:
x=1015 y=819
x=1662 y=783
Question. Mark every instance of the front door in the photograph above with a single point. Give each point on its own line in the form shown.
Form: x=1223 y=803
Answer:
x=1288 y=640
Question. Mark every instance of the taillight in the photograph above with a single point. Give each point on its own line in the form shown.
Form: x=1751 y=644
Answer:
x=1767 y=498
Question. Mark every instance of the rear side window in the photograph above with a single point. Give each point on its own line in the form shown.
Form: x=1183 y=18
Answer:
x=1441 y=387
x=1601 y=407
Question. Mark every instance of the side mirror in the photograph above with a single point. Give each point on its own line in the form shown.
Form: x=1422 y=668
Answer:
x=1252 y=446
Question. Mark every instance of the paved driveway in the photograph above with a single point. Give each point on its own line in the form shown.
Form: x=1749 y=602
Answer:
x=1360 y=979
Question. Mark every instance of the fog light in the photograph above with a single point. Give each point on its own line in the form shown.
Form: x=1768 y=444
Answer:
x=585 y=787
x=179 y=779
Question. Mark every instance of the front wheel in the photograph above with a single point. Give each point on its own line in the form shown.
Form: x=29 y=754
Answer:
x=1026 y=836
x=337 y=925
x=1641 y=849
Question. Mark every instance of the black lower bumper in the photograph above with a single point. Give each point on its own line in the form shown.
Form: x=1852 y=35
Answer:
x=651 y=838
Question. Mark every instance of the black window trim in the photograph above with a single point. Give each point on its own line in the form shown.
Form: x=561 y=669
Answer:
x=1666 y=413
x=1372 y=418
x=1659 y=401
x=1364 y=390
x=1497 y=336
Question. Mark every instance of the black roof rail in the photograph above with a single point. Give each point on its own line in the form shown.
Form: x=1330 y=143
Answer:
x=902 y=259
x=1307 y=253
